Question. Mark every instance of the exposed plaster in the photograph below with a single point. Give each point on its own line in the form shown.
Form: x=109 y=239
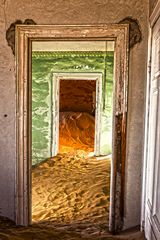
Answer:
x=135 y=35
x=75 y=12
x=10 y=33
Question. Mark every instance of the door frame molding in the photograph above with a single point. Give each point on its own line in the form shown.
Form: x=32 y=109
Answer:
x=55 y=105
x=25 y=34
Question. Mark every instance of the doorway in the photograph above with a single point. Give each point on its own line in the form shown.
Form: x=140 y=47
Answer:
x=87 y=99
x=25 y=36
x=76 y=169
x=77 y=115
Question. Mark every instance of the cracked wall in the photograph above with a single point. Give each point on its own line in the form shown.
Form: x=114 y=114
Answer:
x=135 y=34
x=74 y=12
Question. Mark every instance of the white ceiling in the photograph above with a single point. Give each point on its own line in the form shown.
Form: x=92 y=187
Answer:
x=73 y=46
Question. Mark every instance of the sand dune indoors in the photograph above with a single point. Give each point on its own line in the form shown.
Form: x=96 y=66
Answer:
x=72 y=187
x=76 y=131
x=70 y=192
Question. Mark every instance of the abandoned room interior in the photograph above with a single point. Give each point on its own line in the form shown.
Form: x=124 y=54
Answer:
x=79 y=115
x=71 y=128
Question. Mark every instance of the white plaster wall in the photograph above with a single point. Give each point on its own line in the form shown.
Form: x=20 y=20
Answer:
x=74 y=12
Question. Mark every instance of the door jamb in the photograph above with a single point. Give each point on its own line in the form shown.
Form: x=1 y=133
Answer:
x=55 y=106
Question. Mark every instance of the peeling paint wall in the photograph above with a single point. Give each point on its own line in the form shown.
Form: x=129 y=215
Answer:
x=74 y=12
x=44 y=65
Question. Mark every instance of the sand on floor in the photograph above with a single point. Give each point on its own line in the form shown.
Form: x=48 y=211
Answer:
x=70 y=192
x=40 y=231
x=76 y=131
x=71 y=187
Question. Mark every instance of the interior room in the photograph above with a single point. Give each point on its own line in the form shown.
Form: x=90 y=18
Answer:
x=72 y=102
x=79 y=116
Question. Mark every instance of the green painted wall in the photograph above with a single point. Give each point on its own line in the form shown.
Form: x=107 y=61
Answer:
x=44 y=64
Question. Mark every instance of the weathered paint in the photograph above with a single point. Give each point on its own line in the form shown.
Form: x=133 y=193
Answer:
x=44 y=65
x=118 y=33
x=10 y=33
x=135 y=34
x=74 y=12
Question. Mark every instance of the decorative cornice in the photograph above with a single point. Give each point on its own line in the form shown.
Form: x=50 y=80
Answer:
x=38 y=54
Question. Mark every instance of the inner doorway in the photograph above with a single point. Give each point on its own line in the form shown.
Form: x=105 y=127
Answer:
x=78 y=91
x=77 y=111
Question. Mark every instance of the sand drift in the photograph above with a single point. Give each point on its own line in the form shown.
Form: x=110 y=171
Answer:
x=72 y=187
x=76 y=131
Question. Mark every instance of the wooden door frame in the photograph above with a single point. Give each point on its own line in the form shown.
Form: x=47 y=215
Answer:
x=25 y=34
x=55 y=105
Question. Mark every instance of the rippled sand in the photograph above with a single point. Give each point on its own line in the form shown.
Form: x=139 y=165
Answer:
x=70 y=188
x=76 y=131
x=70 y=192
x=8 y=231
